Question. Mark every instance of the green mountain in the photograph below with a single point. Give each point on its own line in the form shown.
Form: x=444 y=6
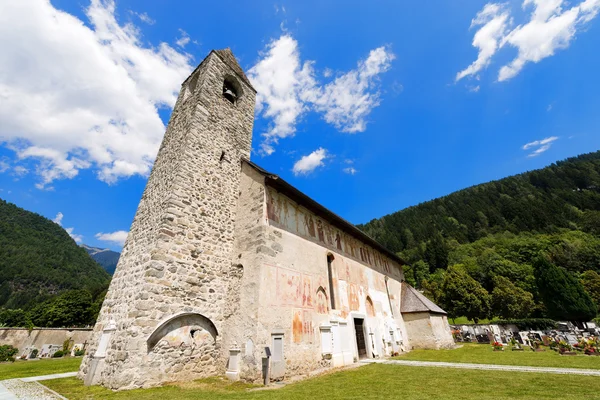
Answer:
x=490 y=236
x=39 y=260
x=563 y=195
x=107 y=258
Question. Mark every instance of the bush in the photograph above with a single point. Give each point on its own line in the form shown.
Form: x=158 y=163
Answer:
x=34 y=353
x=79 y=353
x=58 y=354
x=8 y=352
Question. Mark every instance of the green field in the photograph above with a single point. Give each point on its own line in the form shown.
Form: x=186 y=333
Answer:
x=483 y=354
x=23 y=369
x=367 y=382
x=375 y=381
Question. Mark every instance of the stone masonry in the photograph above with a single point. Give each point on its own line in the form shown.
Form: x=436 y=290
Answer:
x=177 y=258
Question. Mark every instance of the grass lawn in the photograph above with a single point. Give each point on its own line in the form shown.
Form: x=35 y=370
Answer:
x=23 y=369
x=375 y=381
x=483 y=354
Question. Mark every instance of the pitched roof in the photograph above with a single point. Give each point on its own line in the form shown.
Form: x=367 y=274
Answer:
x=282 y=186
x=228 y=58
x=414 y=301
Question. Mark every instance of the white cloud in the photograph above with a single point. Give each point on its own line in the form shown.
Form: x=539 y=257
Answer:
x=539 y=146
x=309 y=163
x=288 y=88
x=327 y=72
x=183 y=40
x=4 y=166
x=144 y=17
x=348 y=100
x=549 y=29
x=58 y=218
x=74 y=97
x=350 y=170
x=117 y=237
x=494 y=20
x=75 y=236
x=19 y=170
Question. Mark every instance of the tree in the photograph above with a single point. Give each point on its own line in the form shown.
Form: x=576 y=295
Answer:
x=591 y=282
x=461 y=295
x=72 y=308
x=510 y=301
x=436 y=253
x=564 y=296
x=432 y=286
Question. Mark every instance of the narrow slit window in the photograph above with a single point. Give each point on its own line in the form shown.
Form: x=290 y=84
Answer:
x=330 y=277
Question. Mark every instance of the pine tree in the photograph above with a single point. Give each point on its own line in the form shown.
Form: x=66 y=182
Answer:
x=564 y=296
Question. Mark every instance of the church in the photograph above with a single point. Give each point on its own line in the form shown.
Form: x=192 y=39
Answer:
x=228 y=269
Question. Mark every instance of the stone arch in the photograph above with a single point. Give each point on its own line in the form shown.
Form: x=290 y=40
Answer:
x=370 y=307
x=232 y=85
x=321 y=301
x=183 y=328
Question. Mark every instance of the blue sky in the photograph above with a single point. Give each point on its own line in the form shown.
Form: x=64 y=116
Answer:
x=376 y=106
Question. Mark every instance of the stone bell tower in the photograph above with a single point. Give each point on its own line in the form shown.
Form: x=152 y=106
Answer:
x=163 y=315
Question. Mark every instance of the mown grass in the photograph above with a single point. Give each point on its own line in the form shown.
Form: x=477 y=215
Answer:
x=484 y=354
x=375 y=381
x=24 y=369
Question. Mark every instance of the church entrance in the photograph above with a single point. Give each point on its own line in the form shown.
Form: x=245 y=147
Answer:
x=361 y=345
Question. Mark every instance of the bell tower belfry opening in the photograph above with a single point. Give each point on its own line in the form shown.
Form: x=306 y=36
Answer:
x=177 y=258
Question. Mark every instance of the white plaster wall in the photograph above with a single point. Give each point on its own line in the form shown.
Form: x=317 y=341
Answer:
x=428 y=331
x=292 y=269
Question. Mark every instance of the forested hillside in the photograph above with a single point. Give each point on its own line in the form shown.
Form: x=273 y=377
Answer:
x=492 y=236
x=39 y=260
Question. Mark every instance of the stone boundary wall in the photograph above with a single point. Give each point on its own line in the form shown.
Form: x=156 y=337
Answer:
x=22 y=337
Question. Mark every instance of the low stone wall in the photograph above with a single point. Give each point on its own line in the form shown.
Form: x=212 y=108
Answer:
x=22 y=338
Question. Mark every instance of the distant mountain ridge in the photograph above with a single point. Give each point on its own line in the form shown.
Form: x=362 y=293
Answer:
x=107 y=258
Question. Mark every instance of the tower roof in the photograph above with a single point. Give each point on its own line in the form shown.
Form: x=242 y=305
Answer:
x=414 y=301
x=228 y=58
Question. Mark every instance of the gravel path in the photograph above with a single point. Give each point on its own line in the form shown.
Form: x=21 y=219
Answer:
x=490 y=367
x=30 y=388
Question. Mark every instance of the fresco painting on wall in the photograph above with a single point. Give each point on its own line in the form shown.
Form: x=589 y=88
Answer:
x=289 y=287
x=286 y=214
x=307 y=291
x=321 y=301
x=297 y=326
x=307 y=327
x=353 y=297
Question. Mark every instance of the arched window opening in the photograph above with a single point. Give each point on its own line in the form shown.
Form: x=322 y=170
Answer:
x=232 y=90
x=183 y=328
x=370 y=307
x=330 y=278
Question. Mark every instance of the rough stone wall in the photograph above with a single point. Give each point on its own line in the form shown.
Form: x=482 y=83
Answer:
x=177 y=257
x=428 y=331
x=22 y=338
